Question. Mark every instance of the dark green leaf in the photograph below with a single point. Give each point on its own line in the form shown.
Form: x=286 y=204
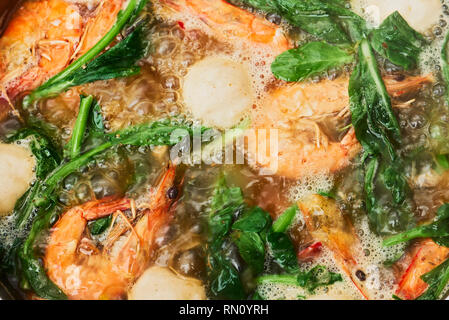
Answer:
x=309 y=60
x=318 y=276
x=99 y=226
x=224 y=280
x=397 y=41
x=251 y=249
x=32 y=267
x=437 y=279
x=254 y=220
x=282 y=250
x=378 y=131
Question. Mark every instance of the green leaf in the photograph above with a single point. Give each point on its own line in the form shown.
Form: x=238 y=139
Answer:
x=372 y=115
x=397 y=41
x=224 y=279
x=225 y=205
x=282 y=250
x=100 y=225
x=254 y=220
x=437 y=279
x=309 y=60
x=251 y=249
x=378 y=131
x=284 y=221
x=31 y=266
x=318 y=276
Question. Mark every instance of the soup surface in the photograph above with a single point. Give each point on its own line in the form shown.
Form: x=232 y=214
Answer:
x=212 y=149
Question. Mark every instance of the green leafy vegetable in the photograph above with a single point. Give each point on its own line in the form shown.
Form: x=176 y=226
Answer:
x=251 y=228
x=251 y=248
x=397 y=41
x=282 y=250
x=32 y=268
x=285 y=219
x=255 y=220
x=318 y=276
x=378 y=131
x=116 y=62
x=311 y=59
x=100 y=225
x=437 y=279
x=438 y=230
x=224 y=280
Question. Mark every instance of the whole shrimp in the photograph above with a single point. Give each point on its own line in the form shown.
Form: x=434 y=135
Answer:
x=82 y=270
x=45 y=36
x=326 y=223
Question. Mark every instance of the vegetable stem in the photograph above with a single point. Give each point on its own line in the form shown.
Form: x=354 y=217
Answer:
x=407 y=236
x=285 y=219
x=279 y=278
x=80 y=126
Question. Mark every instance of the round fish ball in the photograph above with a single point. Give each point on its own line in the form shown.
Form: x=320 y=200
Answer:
x=158 y=283
x=218 y=91
x=16 y=174
x=420 y=14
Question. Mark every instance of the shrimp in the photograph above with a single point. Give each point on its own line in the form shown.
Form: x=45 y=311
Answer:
x=294 y=111
x=327 y=224
x=84 y=271
x=423 y=257
x=229 y=23
x=44 y=37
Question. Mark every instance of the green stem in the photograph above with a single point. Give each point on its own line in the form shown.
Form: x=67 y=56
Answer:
x=75 y=164
x=80 y=126
x=282 y=279
x=419 y=232
x=285 y=219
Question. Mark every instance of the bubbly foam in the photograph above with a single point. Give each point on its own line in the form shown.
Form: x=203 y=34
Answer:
x=311 y=185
